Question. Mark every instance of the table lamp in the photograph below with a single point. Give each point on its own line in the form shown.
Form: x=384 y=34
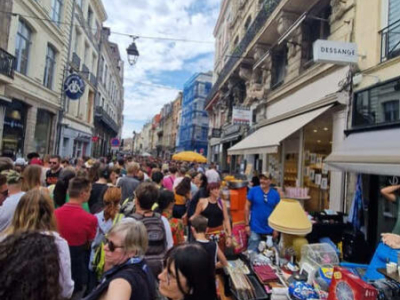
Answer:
x=291 y=220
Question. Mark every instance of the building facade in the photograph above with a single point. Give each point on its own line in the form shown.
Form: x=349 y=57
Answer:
x=193 y=130
x=33 y=95
x=108 y=119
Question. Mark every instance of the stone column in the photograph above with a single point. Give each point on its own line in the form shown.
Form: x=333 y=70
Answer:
x=29 y=143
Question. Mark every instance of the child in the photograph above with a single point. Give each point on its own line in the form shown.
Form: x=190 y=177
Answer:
x=199 y=226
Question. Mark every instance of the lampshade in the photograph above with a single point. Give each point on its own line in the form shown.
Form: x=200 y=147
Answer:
x=289 y=217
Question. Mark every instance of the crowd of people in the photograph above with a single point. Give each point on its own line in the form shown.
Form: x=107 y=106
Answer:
x=128 y=228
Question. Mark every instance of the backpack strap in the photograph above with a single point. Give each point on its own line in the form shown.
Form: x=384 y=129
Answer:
x=219 y=201
x=117 y=218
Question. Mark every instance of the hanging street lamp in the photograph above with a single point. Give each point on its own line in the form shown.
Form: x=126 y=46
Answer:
x=133 y=53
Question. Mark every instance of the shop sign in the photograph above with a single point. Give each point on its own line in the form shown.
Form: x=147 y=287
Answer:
x=95 y=139
x=13 y=123
x=333 y=52
x=115 y=142
x=74 y=86
x=241 y=115
x=216 y=133
x=232 y=129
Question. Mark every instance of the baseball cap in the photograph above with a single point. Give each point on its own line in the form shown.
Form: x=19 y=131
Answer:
x=266 y=175
x=20 y=161
x=36 y=161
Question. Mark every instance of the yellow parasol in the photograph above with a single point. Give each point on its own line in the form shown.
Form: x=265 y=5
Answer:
x=189 y=156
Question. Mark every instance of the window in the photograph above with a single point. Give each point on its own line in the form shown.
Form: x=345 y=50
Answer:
x=79 y=3
x=50 y=67
x=77 y=40
x=86 y=55
x=279 y=63
x=391 y=36
x=391 y=111
x=247 y=24
x=56 y=6
x=22 y=48
x=105 y=76
x=90 y=17
x=377 y=105
x=101 y=69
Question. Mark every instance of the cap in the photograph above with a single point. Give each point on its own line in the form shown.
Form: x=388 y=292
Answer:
x=36 y=161
x=12 y=176
x=20 y=161
x=266 y=175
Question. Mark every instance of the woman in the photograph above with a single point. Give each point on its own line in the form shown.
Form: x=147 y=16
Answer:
x=182 y=196
x=114 y=176
x=126 y=276
x=188 y=274
x=35 y=212
x=165 y=207
x=105 y=220
x=29 y=267
x=214 y=209
x=98 y=189
x=32 y=176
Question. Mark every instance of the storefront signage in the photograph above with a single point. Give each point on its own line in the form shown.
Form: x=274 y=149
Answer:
x=74 y=86
x=232 y=129
x=115 y=142
x=333 y=52
x=241 y=115
x=216 y=133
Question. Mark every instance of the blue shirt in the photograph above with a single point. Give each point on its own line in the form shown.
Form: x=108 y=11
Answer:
x=260 y=209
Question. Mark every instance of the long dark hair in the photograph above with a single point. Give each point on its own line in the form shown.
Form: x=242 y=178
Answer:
x=165 y=199
x=183 y=187
x=29 y=267
x=204 y=181
x=193 y=262
x=60 y=190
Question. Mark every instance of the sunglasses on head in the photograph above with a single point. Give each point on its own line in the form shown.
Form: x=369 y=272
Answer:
x=111 y=245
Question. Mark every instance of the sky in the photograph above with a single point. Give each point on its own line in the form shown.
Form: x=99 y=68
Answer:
x=163 y=66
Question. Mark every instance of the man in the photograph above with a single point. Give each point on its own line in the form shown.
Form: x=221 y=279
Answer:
x=11 y=192
x=179 y=177
x=6 y=163
x=212 y=174
x=79 y=229
x=157 y=226
x=129 y=183
x=261 y=202
x=55 y=170
x=168 y=181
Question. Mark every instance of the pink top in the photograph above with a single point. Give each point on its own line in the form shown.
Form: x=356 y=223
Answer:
x=168 y=182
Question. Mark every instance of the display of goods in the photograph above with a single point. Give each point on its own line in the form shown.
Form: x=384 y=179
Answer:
x=347 y=286
x=302 y=291
x=239 y=237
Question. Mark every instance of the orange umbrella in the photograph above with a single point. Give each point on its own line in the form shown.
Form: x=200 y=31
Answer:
x=189 y=156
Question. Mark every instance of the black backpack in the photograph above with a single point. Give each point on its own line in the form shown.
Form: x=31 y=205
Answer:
x=157 y=240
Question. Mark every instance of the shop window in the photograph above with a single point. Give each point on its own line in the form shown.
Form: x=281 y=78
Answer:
x=377 y=105
x=42 y=131
x=22 y=48
x=279 y=63
x=14 y=129
x=314 y=29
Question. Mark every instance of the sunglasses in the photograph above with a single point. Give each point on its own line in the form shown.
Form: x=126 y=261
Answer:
x=4 y=194
x=266 y=197
x=111 y=245
x=52 y=162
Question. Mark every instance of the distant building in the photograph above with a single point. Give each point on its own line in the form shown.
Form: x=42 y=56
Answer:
x=194 y=121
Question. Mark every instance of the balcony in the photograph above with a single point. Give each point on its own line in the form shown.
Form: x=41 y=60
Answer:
x=85 y=71
x=93 y=79
x=102 y=116
x=390 y=41
x=7 y=64
x=259 y=22
x=76 y=61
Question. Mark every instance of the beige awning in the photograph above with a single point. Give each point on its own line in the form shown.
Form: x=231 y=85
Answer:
x=268 y=138
x=373 y=152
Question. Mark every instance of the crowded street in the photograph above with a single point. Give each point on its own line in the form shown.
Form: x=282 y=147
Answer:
x=199 y=150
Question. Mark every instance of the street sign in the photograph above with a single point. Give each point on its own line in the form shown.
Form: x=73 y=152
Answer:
x=115 y=142
x=332 y=52
x=74 y=86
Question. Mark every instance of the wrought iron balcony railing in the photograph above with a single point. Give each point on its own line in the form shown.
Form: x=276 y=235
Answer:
x=7 y=64
x=102 y=115
x=390 y=41
x=267 y=8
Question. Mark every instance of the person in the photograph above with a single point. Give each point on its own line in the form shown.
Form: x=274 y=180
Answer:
x=60 y=195
x=261 y=202
x=121 y=166
x=79 y=229
x=212 y=174
x=179 y=177
x=106 y=218
x=14 y=194
x=182 y=196
x=129 y=183
x=157 y=178
x=114 y=176
x=19 y=164
x=55 y=170
x=168 y=181
x=6 y=163
x=157 y=226
x=127 y=275
x=35 y=212
x=3 y=189
x=98 y=189
x=255 y=181
x=391 y=193
x=188 y=274
x=31 y=178
x=65 y=162
x=215 y=210
x=199 y=228
x=165 y=206
x=93 y=167
x=29 y=267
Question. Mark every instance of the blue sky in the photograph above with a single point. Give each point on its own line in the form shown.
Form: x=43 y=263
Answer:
x=163 y=66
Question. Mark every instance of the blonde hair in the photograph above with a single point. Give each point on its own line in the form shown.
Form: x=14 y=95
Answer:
x=134 y=235
x=31 y=177
x=132 y=167
x=35 y=211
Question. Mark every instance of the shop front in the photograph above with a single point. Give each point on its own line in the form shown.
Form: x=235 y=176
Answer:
x=76 y=143
x=14 y=129
x=43 y=131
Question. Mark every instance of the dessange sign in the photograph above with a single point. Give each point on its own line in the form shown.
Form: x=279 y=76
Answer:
x=333 y=52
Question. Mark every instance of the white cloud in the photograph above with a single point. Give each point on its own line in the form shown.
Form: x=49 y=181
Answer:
x=185 y=19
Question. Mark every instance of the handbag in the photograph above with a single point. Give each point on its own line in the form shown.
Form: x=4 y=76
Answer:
x=239 y=237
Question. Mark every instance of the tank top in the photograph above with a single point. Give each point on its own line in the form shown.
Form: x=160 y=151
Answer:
x=214 y=215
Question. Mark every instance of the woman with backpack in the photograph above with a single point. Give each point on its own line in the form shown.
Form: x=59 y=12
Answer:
x=127 y=275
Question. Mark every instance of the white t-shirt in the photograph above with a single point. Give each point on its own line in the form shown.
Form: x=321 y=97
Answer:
x=168 y=233
x=7 y=210
x=212 y=176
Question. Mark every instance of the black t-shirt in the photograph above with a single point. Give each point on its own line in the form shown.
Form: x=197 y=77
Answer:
x=95 y=202
x=52 y=178
x=211 y=248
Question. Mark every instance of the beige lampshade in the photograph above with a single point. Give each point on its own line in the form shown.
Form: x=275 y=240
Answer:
x=289 y=217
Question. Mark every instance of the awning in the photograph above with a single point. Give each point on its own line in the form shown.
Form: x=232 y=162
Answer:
x=267 y=139
x=373 y=152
